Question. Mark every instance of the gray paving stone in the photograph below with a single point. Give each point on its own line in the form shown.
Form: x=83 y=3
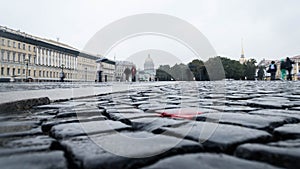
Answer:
x=208 y=161
x=116 y=106
x=246 y=120
x=45 y=160
x=277 y=112
x=31 y=132
x=283 y=155
x=60 y=105
x=149 y=147
x=218 y=137
x=126 y=117
x=288 y=131
x=17 y=126
x=78 y=129
x=270 y=102
x=26 y=145
x=124 y=111
x=231 y=108
x=155 y=124
x=154 y=107
x=30 y=142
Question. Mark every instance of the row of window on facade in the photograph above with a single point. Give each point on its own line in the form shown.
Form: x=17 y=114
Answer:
x=14 y=45
x=16 y=57
x=9 y=56
x=45 y=74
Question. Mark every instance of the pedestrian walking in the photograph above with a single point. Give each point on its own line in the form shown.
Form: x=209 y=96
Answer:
x=272 y=69
x=289 y=66
x=282 y=69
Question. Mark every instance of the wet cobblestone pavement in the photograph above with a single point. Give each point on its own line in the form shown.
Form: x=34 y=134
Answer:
x=232 y=124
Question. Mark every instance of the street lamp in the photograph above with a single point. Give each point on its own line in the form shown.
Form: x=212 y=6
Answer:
x=26 y=73
x=62 y=74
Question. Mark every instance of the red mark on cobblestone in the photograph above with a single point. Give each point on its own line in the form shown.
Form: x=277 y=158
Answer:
x=187 y=113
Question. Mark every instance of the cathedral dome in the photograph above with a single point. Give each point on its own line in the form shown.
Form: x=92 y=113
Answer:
x=148 y=65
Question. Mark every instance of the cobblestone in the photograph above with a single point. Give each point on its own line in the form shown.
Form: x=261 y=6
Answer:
x=160 y=125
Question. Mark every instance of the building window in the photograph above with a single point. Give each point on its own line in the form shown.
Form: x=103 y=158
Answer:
x=29 y=71
x=19 y=71
x=24 y=46
x=19 y=45
x=2 y=71
x=7 y=72
x=34 y=60
x=34 y=73
x=23 y=71
x=51 y=74
x=19 y=57
x=14 y=44
x=47 y=73
x=8 y=56
x=14 y=56
x=24 y=56
x=3 y=42
x=43 y=73
x=29 y=47
x=29 y=58
x=8 y=43
x=13 y=71
x=40 y=73
x=33 y=48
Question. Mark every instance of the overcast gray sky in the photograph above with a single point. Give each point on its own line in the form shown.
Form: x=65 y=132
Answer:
x=270 y=28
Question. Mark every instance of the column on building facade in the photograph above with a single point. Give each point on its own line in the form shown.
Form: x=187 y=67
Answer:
x=37 y=56
x=54 y=58
x=51 y=58
x=60 y=59
x=47 y=57
x=67 y=60
x=75 y=62
x=43 y=56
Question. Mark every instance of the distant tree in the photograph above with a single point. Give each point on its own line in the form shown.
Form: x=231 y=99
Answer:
x=163 y=73
x=250 y=69
x=198 y=69
x=233 y=69
x=215 y=69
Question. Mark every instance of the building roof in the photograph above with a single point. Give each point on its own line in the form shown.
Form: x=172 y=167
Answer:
x=37 y=41
x=105 y=60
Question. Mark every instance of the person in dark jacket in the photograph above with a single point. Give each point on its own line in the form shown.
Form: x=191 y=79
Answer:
x=289 y=66
x=282 y=69
x=272 y=69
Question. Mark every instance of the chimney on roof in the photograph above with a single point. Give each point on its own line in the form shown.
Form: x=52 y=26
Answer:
x=57 y=39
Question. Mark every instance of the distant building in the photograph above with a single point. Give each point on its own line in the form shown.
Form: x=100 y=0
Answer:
x=149 y=72
x=123 y=71
x=26 y=57
x=105 y=70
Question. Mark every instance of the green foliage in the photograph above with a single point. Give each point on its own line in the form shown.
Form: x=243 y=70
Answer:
x=179 y=72
x=250 y=69
x=209 y=70
x=198 y=69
